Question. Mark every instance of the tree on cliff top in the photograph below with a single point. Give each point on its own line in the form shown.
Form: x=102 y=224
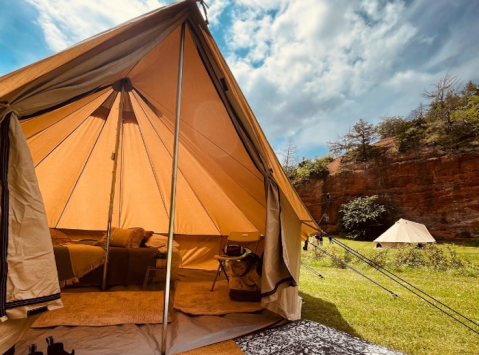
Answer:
x=357 y=142
x=289 y=158
x=452 y=114
x=408 y=133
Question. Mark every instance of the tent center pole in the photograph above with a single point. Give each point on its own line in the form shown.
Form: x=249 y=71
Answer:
x=113 y=185
x=173 y=193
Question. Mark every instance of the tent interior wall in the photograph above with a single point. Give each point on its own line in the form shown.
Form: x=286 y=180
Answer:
x=119 y=89
x=219 y=188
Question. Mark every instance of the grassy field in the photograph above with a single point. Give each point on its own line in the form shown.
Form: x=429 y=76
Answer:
x=346 y=301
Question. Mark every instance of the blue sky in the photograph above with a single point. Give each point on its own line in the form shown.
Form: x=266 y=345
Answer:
x=309 y=68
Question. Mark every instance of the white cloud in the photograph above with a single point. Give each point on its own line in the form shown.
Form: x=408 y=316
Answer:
x=216 y=8
x=307 y=62
x=312 y=67
x=67 y=22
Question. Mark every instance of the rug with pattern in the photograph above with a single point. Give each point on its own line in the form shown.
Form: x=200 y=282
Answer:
x=306 y=337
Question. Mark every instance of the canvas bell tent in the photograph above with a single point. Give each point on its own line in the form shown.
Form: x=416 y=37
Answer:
x=90 y=138
x=404 y=232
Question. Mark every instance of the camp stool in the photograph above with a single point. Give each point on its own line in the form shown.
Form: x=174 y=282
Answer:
x=237 y=237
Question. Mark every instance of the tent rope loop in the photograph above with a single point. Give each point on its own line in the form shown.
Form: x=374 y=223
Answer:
x=205 y=6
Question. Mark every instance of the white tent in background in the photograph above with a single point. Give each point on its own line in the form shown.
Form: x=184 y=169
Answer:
x=402 y=232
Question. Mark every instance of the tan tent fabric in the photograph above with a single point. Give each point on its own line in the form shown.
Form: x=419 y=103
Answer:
x=12 y=330
x=404 y=231
x=229 y=178
x=29 y=253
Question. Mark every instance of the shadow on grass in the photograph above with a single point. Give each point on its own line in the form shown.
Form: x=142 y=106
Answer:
x=325 y=313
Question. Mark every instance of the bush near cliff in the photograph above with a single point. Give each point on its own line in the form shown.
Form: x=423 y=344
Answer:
x=308 y=168
x=362 y=218
x=316 y=167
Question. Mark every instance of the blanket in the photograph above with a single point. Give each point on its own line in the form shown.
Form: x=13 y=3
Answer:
x=76 y=260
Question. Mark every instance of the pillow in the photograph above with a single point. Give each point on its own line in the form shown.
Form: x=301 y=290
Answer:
x=157 y=241
x=124 y=238
x=146 y=236
x=136 y=237
x=58 y=237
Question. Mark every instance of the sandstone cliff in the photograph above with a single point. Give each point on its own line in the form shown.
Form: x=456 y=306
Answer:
x=438 y=189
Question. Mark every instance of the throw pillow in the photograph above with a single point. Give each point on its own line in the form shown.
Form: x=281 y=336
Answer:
x=58 y=237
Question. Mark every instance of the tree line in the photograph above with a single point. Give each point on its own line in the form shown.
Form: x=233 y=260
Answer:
x=448 y=121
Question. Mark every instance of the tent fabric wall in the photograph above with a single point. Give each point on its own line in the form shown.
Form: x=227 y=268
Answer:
x=29 y=259
x=229 y=176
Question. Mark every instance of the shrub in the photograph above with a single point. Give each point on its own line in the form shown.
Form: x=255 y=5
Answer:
x=389 y=126
x=313 y=167
x=360 y=216
x=340 y=256
x=437 y=259
x=465 y=234
x=379 y=256
x=454 y=261
x=409 y=256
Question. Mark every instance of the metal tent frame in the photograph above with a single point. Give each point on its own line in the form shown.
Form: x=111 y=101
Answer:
x=171 y=229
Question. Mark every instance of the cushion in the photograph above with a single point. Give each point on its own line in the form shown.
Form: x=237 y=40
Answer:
x=136 y=237
x=157 y=241
x=147 y=235
x=58 y=237
x=124 y=238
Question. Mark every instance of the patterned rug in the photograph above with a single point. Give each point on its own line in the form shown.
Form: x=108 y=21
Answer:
x=307 y=338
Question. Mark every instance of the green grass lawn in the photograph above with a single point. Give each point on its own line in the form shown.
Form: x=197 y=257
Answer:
x=346 y=301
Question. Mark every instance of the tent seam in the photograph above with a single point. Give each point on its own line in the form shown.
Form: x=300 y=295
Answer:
x=168 y=125
x=81 y=173
x=149 y=160
x=181 y=172
x=209 y=140
x=64 y=118
x=120 y=180
x=68 y=135
x=218 y=185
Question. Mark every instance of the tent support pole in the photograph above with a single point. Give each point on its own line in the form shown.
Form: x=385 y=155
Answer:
x=113 y=185
x=173 y=193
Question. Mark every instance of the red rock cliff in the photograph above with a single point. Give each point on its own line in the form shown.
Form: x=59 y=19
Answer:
x=437 y=189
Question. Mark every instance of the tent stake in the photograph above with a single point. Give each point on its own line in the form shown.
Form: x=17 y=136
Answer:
x=171 y=226
x=113 y=185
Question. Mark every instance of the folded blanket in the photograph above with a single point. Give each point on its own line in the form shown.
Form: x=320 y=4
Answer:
x=76 y=260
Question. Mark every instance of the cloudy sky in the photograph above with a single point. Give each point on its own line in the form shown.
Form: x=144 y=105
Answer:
x=309 y=68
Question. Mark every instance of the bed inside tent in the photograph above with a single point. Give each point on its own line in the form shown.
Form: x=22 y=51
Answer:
x=103 y=157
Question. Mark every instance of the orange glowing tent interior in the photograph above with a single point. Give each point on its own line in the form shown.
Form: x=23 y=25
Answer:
x=219 y=188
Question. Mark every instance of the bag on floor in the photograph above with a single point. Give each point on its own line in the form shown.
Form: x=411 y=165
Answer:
x=245 y=282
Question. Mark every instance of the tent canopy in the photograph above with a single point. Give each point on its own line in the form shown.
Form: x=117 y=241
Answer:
x=219 y=188
x=229 y=178
x=404 y=231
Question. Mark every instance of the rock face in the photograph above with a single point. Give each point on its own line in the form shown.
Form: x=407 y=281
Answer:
x=437 y=189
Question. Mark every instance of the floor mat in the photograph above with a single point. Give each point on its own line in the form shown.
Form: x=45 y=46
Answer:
x=105 y=308
x=227 y=347
x=195 y=298
x=307 y=337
